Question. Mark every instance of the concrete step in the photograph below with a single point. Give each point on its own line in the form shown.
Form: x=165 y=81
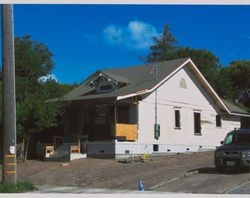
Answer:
x=58 y=154
x=58 y=159
x=75 y=156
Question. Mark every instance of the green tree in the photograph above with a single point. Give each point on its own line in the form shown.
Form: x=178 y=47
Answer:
x=162 y=47
x=34 y=114
x=33 y=59
x=238 y=87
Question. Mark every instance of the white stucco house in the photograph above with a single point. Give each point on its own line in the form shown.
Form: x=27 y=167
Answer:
x=163 y=108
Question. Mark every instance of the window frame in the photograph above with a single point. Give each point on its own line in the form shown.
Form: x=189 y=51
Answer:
x=197 y=118
x=218 y=120
x=177 y=118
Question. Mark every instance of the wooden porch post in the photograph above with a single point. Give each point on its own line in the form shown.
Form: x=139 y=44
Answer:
x=115 y=119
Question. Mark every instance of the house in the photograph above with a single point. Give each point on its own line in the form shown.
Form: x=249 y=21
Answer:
x=153 y=108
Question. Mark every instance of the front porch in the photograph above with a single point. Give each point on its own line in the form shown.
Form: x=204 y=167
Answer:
x=101 y=121
x=93 y=128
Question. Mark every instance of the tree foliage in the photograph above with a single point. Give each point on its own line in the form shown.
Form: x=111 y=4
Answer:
x=33 y=60
x=236 y=81
x=162 y=47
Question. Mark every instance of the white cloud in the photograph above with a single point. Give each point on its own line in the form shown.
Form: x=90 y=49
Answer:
x=136 y=34
x=48 y=77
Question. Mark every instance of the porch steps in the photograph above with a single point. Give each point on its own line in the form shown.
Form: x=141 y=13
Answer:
x=74 y=156
x=62 y=154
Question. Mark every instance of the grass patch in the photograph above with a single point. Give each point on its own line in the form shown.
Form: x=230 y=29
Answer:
x=18 y=188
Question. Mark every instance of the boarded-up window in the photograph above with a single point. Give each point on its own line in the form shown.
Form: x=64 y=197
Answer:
x=218 y=121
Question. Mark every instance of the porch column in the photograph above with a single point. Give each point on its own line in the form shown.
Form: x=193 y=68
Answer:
x=115 y=119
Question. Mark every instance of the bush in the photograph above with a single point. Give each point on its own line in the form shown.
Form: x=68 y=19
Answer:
x=19 y=187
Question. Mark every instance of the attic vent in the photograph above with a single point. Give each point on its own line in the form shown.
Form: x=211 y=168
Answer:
x=183 y=84
x=105 y=87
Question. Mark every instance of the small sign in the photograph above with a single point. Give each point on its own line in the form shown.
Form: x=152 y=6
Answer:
x=12 y=150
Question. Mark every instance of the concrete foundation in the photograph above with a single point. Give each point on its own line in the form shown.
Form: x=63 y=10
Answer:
x=121 y=150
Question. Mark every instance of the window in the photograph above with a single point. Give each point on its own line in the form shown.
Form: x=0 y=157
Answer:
x=197 y=123
x=229 y=139
x=177 y=119
x=105 y=87
x=218 y=121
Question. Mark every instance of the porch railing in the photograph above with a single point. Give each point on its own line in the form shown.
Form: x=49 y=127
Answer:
x=74 y=149
x=49 y=150
x=127 y=132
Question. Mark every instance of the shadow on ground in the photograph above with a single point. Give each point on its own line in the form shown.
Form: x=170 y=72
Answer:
x=228 y=171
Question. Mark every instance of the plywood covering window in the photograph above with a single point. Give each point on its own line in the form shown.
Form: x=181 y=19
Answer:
x=177 y=119
x=218 y=121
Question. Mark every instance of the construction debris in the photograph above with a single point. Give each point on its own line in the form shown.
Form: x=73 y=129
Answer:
x=64 y=164
x=143 y=158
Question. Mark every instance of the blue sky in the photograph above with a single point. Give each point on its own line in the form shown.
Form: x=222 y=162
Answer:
x=86 y=38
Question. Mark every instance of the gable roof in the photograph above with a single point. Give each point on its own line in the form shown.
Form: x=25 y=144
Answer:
x=141 y=80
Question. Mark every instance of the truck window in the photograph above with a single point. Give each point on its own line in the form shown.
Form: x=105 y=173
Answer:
x=236 y=138
x=228 y=139
x=243 y=138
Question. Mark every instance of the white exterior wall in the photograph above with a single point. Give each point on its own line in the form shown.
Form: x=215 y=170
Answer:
x=170 y=97
x=193 y=98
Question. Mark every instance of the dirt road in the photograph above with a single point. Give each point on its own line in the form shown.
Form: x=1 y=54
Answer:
x=107 y=173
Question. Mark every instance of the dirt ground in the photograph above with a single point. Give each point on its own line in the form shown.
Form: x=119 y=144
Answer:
x=108 y=173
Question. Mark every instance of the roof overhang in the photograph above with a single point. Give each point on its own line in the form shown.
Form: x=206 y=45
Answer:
x=200 y=78
x=156 y=86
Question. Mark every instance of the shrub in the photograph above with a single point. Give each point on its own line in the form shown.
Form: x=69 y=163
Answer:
x=19 y=187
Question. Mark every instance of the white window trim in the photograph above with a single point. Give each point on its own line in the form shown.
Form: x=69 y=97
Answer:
x=177 y=109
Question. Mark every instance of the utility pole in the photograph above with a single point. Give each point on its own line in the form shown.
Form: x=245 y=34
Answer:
x=156 y=125
x=9 y=174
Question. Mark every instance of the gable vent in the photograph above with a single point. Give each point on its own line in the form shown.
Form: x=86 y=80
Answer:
x=183 y=84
